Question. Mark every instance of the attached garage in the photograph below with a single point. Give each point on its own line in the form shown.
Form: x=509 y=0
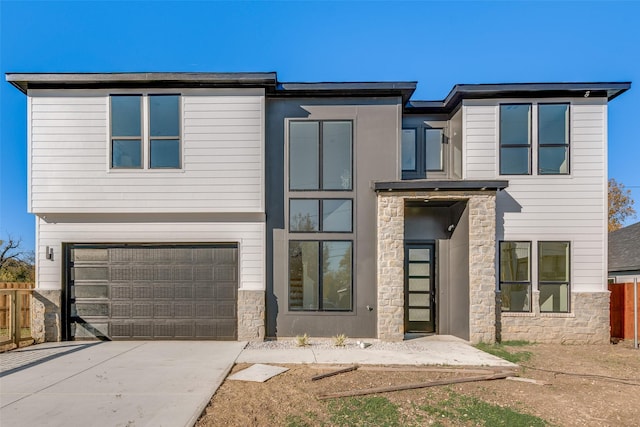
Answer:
x=151 y=292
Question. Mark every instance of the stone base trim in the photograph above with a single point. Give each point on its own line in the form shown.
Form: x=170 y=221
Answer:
x=46 y=315
x=588 y=322
x=251 y=315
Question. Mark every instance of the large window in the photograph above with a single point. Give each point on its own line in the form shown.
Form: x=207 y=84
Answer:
x=515 y=276
x=320 y=275
x=423 y=151
x=130 y=147
x=515 y=139
x=320 y=155
x=551 y=133
x=320 y=215
x=553 y=139
x=554 y=276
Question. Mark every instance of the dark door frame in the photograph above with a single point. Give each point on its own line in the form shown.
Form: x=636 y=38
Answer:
x=420 y=326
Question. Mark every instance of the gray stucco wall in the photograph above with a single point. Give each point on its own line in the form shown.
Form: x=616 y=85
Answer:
x=376 y=130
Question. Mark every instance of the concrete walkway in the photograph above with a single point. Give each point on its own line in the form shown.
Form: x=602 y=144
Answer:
x=431 y=350
x=169 y=383
x=121 y=383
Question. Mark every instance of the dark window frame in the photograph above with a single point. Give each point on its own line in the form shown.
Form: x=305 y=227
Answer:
x=415 y=152
x=507 y=146
x=320 y=156
x=320 y=288
x=528 y=283
x=542 y=283
x=321 y=215
x=567 y=143
x=421 y=171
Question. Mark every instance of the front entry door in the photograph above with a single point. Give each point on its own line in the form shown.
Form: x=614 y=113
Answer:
x=419 y=287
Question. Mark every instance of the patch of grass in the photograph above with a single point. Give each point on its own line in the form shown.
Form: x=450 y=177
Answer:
x=365 y=411
x=302 y=341
x=308 y=420
x=340 y=340
x=500 y=351
x=468 y=409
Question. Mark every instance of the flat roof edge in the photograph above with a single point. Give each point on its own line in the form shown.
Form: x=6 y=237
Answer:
x=428 y=185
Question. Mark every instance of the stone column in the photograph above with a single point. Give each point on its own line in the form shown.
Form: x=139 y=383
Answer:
x=251 y=315
x=390 y=267
x=46 y=318
x=482 y=271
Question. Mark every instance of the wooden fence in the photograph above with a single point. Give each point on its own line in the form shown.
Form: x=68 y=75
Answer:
x=622 y=310
x=15 y=314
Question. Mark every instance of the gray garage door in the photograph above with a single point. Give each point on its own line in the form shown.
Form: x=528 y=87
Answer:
x=152 y=292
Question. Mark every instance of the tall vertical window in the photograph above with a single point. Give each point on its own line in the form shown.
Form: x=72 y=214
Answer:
x=133 y=139
x=409 y=150
x=553 y=276
x=515 y=276
x=164 y=131
x=515 y=139
x=553 y=139
x=434 y=149
x=320 y=275
x=320 y=155
x=126 y=131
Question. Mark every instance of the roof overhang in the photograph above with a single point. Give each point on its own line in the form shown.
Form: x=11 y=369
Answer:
x=26 y=81
x=448 y=185
x=609 y=90
x=346 y=89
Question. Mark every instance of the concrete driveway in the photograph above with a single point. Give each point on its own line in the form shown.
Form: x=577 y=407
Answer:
x=122 y=383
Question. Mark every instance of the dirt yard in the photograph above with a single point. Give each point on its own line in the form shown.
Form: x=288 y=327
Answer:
x=585 y=386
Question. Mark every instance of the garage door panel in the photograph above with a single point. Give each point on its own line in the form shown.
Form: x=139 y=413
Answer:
x=163 y=310
x=164 y=291
x=121 y=310
x=120 y=291
x=154 y=292
x=183 y=291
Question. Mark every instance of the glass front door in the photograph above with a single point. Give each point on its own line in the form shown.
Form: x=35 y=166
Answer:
x=419 y=288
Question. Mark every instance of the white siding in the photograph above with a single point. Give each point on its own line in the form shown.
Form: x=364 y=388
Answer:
x=249 y=236
x=543 y=207
x=222 y=143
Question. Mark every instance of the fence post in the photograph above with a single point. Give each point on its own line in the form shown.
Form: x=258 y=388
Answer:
x=15 y=306
x=635 y=312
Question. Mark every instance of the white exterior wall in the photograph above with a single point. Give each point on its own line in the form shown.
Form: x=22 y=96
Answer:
x=549 y=207
x=249 y=237
x=222 y=155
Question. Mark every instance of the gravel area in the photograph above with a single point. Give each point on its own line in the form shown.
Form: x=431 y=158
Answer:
x=329 y=343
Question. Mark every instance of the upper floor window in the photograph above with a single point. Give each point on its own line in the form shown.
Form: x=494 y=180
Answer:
x=320 y=155
x=134 y=139
x=553 y=139
x=517 y=134
x=422 y=152
x=515 y=139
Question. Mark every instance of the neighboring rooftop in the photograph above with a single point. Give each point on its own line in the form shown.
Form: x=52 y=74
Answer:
x=624 y=249
x=269 y=81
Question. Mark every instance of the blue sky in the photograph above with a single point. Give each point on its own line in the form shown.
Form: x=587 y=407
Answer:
x=438 y=44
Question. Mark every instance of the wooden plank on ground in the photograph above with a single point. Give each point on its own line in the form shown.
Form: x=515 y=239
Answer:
x=332 y=373
x=350 y=393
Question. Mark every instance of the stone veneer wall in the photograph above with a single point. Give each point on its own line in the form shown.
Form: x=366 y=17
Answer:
x=390 y=267
x=588 y=322
x=482 y=253
x=46 y=317
x=251 y=315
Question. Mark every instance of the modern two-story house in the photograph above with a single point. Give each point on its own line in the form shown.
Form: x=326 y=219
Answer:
x=233 y=206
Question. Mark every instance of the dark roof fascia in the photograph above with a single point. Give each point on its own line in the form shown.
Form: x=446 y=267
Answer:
x=347 y=89
x=25 y=81
x=609 y=90
x=429 y=185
